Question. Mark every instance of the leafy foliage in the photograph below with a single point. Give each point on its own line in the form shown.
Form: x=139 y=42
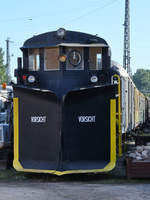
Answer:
x=2 y=68
x=142 y=80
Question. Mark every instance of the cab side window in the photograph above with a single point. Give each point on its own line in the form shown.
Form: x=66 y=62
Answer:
x=34 y=59
x=95 y=58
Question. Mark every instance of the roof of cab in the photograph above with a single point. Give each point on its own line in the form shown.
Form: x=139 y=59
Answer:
x=50 y=39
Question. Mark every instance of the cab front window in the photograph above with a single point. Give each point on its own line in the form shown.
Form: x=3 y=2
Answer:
x=34 y=60
x=51 y=61
x=95 y=58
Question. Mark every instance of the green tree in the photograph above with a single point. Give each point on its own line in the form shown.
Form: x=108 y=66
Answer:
x=142 y=80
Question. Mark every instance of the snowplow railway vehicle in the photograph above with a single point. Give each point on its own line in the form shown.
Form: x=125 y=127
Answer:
x=69 y=106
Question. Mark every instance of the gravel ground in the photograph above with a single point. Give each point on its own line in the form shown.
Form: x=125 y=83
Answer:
x=115 y=186
x=73 y=191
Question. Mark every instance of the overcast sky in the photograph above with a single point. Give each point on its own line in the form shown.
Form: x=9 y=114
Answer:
x=21 y=20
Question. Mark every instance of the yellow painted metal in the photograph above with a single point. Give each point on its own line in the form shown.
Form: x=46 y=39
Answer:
x=119 y=113
x=16 y=131
x=17 y=165
x=113 y=130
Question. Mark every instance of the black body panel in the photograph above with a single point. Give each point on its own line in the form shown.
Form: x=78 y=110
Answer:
x=51 y=39
x=86 y=145
x=61 y=82
x=39 y=142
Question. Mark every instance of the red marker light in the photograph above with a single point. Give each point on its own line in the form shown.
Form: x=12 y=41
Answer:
x=24 y=77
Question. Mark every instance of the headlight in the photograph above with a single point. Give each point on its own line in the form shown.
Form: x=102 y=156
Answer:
x=94 y=79
x=61 y=32
x=31 y=79
x=62 y=58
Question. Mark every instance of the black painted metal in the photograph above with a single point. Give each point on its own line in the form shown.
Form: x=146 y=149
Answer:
x=86 y=145
x=39 y=143
x=51 y=39
x=63 y=142
x=61 y=81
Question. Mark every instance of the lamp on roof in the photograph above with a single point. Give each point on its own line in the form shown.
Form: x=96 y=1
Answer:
x=61 y=32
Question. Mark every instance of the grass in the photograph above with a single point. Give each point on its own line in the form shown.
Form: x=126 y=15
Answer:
x=11 y=175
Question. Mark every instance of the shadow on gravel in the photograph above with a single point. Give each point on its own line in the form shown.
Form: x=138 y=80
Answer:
x=86 y=178
x=13 y=176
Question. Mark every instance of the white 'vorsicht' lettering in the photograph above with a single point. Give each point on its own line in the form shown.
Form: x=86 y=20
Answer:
x=87 y=119
x=38 y=119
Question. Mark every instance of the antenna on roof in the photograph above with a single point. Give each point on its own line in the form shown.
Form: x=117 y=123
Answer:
x=126 y=54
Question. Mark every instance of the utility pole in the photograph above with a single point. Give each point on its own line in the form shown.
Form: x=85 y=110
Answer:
x=8 y=72
x=126 y=54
